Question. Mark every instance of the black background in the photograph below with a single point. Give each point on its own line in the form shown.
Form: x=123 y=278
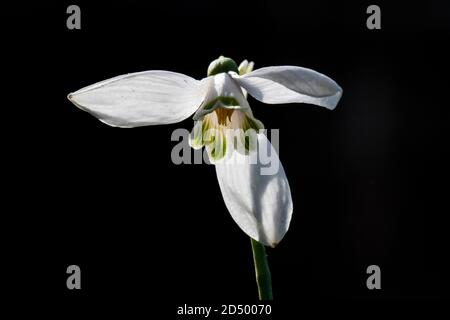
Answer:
x=369 y=179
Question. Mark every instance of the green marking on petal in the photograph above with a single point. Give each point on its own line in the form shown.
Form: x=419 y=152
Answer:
x=251 y=123
x=246 y=137
x=245 y=141
x=210 y=104
x=252 y=127
x=224 y=102
x=217 y=146
x=196 y=136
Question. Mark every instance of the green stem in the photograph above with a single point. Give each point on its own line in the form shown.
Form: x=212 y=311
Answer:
x=262 y=271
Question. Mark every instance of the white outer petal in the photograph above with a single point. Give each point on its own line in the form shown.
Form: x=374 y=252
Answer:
x=142 y=98
x=260 y=204
x=290 y=84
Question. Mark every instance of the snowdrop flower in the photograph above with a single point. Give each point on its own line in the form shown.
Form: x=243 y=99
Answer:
x=260 y=204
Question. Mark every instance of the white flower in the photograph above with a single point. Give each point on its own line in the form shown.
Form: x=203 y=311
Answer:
x=260 y=204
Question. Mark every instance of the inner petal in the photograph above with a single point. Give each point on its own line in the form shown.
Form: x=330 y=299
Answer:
x=224 y=130
x=223 y=92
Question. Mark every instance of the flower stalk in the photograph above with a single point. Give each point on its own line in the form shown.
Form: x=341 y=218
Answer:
x=262 y=271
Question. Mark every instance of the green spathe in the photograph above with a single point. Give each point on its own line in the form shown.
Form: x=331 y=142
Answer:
x=221 y=65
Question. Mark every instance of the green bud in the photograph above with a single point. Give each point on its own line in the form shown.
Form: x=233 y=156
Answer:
x=222 y=64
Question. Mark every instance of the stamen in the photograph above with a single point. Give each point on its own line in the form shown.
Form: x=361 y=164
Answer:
x=223 y=114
